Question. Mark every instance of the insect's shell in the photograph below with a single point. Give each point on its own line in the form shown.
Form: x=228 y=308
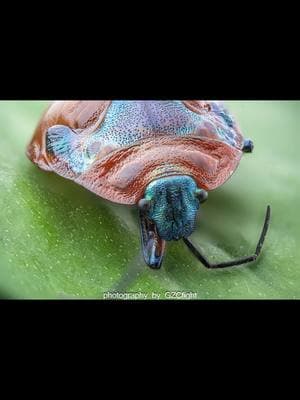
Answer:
x=116 y=148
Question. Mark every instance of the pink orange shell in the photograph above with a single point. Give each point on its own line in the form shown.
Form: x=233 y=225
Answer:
x=121 y=173
x=85 y=115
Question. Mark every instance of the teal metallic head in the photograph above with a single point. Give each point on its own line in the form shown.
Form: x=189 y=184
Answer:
x=168 y=212
x=172 y=203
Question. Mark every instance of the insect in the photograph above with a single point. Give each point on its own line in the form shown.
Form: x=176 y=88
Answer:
x=162 y=156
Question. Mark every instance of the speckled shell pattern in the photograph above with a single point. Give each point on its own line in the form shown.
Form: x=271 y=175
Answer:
x=116 y=148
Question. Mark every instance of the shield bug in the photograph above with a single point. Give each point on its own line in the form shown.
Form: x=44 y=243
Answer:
x=163 y=156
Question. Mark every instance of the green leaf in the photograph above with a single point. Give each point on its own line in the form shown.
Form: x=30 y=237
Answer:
x=57 y=240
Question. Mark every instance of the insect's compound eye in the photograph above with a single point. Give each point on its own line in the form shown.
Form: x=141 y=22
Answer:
x=248 y=146
x=144 y=204
x=202 y=195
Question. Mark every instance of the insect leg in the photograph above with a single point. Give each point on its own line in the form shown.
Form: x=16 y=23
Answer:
x=152 y=245
x=239 y=261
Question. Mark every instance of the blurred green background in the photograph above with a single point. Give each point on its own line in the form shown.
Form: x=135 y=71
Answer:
x=57 y=240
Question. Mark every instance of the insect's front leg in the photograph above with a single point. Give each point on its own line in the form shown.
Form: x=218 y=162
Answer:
x=239 y=261
x=153 y=246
